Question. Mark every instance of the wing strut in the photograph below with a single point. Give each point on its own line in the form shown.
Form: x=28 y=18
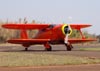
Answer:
x=83 y=37
x=23 y=34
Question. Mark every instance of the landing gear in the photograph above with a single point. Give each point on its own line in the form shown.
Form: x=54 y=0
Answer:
x=68 y=46
x=26 y=49
x=48 y=47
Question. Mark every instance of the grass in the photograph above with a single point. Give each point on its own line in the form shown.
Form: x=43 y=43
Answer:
x=8 y=44
x=90 y=49
x=10 y=59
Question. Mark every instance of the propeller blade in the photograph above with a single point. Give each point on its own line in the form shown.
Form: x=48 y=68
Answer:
x=66 y=39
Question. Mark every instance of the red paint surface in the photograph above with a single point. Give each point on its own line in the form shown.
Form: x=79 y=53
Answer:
x=46 y=33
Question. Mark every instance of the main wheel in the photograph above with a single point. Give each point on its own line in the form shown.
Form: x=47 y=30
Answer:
x=49 y=49
x=68 y=47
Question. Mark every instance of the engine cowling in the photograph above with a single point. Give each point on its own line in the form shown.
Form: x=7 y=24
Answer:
x=66 y=29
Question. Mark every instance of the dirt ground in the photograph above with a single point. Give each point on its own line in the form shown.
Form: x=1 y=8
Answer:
x=55 y=68
x=57 y=50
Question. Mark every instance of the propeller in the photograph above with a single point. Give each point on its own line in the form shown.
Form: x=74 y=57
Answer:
x=67 y=31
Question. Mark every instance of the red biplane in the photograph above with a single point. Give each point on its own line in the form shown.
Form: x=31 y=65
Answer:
x=48 y=34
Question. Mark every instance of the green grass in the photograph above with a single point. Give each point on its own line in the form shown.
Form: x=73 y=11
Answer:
x=90 y=49
x=10 y=59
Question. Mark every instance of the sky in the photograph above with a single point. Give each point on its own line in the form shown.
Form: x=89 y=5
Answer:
x=53 y=11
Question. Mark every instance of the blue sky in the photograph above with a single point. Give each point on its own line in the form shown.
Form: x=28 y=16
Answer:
x=53 y=11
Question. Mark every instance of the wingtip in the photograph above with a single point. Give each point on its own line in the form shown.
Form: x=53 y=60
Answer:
x=89 y=25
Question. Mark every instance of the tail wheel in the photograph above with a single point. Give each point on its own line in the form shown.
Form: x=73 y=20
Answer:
x=26 y=49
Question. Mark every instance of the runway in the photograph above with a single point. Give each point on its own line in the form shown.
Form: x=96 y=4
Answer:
x=57 y=50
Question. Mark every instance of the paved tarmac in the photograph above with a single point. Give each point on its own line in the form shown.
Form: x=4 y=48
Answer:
x=57 y=50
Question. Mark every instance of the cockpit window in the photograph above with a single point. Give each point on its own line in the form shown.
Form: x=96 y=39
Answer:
x=49 y=27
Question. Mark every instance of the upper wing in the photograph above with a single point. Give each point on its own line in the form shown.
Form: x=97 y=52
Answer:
x=28 y=41
x=40 y=26
x=79 y=26
x=80 y=40
x=25 y=26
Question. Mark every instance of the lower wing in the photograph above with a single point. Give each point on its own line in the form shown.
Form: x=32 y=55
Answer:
x=28 y=41
x=43 y=41
x=80 y=40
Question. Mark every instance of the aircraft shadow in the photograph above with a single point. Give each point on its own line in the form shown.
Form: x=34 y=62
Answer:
x=31 y=51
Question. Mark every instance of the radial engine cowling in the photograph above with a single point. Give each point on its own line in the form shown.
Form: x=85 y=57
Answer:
x=66 y=29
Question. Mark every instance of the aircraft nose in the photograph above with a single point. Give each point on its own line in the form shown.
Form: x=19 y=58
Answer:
x=67 y=30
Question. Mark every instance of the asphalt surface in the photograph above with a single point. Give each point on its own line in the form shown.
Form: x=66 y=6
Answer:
x=57 y=50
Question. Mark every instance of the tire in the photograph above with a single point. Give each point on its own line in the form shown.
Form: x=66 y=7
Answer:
x=68 y=47
x=26 y=49
x=49 y=49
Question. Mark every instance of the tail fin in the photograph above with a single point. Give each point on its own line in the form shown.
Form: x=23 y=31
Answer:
x=23 y=34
